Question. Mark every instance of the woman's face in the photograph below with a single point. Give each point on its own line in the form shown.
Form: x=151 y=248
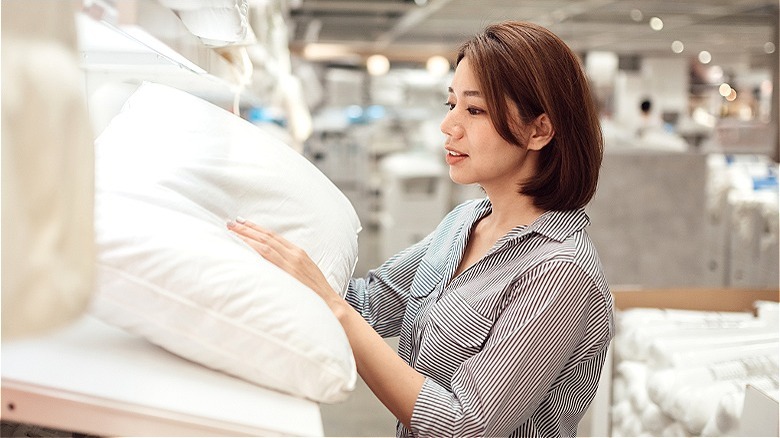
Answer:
x=476 y=153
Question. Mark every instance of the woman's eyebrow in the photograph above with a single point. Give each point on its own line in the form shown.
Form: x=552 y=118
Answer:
x=469 y=93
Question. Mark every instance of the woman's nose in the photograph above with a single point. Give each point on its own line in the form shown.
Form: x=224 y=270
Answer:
x=450 y=127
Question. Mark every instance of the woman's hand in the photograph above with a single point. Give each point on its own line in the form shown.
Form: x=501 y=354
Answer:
x=394 y=382
x=284 y=254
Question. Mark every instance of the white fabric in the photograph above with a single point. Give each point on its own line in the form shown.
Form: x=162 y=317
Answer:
x=200 y=4
x=171 y=169
x=216 y=22
x=726 y=418
x=699 y=392
x=47 y=171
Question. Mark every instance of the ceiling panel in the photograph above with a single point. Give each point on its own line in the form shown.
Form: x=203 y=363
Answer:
x=402 y=30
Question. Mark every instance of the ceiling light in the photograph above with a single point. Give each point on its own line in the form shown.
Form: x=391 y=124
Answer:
x=677 y=46
x=636 y=15
x=377 y=65
x=319 y=52
x=724 y=89
x=656 y=23
x=732 y=95
x=769 y=47
x=437 y=65
x=705 y=57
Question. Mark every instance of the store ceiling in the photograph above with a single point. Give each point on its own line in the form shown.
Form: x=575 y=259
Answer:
x=730 y=30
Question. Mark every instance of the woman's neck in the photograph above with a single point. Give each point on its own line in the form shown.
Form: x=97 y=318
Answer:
x=510 y=209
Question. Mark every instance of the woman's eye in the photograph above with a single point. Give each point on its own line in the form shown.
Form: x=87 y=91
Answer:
x=471 y=110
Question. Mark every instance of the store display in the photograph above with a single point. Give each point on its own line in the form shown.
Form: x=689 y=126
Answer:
x=685 y=372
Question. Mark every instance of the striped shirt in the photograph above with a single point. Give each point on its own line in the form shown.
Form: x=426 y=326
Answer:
x=512 y=346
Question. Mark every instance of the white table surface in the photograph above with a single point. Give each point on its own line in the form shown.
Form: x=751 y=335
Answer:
x=91 y=377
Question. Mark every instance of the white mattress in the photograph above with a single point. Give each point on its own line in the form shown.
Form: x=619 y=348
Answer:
x=94 y=378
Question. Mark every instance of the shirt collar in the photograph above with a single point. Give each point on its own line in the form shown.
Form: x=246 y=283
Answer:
x=556 y=225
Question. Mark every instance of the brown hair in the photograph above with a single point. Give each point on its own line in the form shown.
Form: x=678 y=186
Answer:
x=531 y=67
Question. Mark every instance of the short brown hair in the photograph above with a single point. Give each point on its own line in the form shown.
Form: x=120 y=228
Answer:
x=530 y=66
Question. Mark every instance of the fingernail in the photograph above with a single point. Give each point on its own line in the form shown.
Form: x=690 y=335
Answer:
x=240 y=220
x=231 y=224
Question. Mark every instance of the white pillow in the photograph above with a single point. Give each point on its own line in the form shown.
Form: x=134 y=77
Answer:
x=171 y=169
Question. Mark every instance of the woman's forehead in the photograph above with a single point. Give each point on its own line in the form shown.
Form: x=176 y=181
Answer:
x=464 y=81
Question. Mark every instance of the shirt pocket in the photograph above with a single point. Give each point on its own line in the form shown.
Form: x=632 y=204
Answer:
x=454 y=332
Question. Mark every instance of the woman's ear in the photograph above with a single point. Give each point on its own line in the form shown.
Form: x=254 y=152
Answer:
x=542 y=132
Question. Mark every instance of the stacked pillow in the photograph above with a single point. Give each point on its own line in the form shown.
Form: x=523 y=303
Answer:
x=171 y=169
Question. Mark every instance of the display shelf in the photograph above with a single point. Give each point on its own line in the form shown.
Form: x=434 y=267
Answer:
x=706 y=299
x=138 y=40
x=94 y=378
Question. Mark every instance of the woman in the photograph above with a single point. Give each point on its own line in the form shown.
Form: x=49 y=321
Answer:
x=503 y=312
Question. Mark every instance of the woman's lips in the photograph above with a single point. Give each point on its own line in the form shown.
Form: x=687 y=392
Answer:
x=453 y=157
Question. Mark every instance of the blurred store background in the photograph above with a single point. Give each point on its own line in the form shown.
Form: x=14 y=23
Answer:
x=689 y=190
x=688 y=197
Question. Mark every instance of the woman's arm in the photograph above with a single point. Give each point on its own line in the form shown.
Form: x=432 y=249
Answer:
x=395 y=383
x=382 y=295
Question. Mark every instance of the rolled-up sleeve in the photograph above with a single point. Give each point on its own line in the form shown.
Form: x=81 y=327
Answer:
x=381 y=296
x=534 y=341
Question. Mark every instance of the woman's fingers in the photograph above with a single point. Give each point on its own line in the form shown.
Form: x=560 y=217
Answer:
x=273 y=247
x=251 y=230
x=282 y=253
x=261 y=240
x=264 y=249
